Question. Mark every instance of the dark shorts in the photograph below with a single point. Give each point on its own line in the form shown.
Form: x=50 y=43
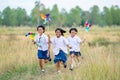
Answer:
x=60 y=57
x=42 y=54
x=75 y=53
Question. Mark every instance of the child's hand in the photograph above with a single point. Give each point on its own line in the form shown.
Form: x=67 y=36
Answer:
x=49 y=41
x=33 y=41
x=84 y=39
x=70 y=47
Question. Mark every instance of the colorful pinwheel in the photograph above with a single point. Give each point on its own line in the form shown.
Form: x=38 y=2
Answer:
x=46 y=18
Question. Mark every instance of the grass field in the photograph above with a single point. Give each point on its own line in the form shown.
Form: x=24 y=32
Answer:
x=101 y=52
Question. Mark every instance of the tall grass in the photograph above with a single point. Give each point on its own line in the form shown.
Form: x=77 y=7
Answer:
x=18 y=60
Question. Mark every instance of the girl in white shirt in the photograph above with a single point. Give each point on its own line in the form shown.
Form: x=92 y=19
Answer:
x=74 y=42
x=43 y=46
x=60 y=45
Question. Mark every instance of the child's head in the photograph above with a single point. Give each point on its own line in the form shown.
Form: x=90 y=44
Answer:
x=41 y=29
x=73 y=31
x=59 y=32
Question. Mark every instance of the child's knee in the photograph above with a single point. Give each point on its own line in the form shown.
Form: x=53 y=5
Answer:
x=72 y=55
x=45 y=61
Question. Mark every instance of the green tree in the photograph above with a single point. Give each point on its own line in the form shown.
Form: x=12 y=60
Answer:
x=6 y=16
x=115 y=12
x=0 y=18
x=74 y=17
x=55 y=16
x=107 y=16
x=9 y=17
x=85 y=15
x=63 y=17
x=13 y=14
x=21 y=16
x=94 y=15
x=34 y=15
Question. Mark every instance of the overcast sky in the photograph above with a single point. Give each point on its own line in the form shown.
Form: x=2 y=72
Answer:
x=67 y=4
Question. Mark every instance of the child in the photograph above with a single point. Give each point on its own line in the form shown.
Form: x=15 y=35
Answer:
x=60 y=45
x=43 y=46
x=74 y=42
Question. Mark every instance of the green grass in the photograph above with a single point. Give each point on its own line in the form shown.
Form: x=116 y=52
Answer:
x=18 y=60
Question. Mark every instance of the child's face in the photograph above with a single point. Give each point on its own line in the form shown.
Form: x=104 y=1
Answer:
x=40 y=30
x=58 y=33
x=73 y=33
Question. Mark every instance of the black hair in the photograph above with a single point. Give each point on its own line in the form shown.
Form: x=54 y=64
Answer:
x=41 y=26
x=61 y=30
x=73 y=29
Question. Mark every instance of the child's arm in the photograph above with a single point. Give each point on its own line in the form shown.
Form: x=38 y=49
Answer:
x=83 y=40
x=69 y=46
x=49 y=42
x=48 y=54
x=67 y=43
x=33 y=41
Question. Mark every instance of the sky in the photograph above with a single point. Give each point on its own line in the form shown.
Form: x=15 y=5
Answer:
x=67 y=4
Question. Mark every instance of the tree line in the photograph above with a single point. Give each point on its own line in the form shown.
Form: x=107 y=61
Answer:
x=75 y=17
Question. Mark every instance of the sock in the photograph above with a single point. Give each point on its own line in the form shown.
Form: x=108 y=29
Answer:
x=72 y=65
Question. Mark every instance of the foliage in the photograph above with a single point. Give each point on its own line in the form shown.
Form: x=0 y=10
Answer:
x=75 y=17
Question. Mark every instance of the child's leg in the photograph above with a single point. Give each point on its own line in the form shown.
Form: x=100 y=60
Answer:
x=78 y=58
x=71 y=59
x=40 y=64
x=45 y=61
x=58 y=65
x=45 y=55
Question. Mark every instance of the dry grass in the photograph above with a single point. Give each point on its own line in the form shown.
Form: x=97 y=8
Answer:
x=18 y=60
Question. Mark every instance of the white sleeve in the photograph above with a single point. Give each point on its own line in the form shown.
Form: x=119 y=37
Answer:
x=68 y=39
x=53 y=41
x=79 y=40
x=46 y=38
x=65 y=41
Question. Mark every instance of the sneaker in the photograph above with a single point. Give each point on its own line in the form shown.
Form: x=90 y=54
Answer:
x=42 y=71
x=59 y=71
x=65 y=65
x=49 y=59
x=71 y=67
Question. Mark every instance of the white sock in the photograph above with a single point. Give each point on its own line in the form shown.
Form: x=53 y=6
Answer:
x=72 y=65
x=59 y=71
x=43 y=70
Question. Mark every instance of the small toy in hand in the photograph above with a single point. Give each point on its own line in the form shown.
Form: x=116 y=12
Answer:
x=31 y=35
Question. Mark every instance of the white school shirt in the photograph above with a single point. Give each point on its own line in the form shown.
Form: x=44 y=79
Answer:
x=74 y=42
x=43 y=41
x=59 y=44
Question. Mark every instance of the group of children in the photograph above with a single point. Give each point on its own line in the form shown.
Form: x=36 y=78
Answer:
x=60 y=47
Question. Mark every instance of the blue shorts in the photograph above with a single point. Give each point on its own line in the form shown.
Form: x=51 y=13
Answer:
x=42 y=54
x=60 y=57
x=75 y=53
